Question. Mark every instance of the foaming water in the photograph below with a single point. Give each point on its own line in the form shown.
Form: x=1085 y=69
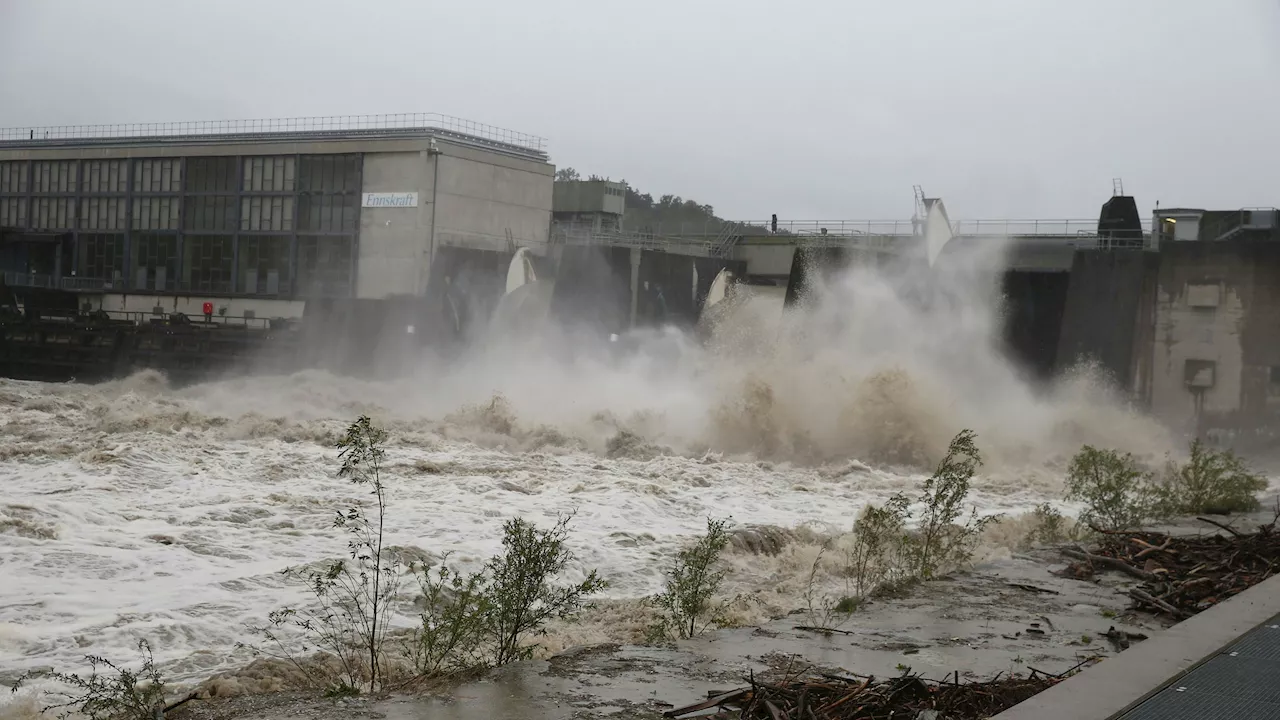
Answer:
x=135 y=509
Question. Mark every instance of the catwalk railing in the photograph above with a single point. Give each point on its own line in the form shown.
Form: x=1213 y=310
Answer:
x=994 y=227
x=368 y=124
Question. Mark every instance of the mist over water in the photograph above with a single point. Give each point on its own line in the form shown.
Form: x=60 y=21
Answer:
x=134 y=509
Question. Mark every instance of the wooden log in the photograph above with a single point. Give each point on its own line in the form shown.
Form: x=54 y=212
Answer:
x=1109 y=562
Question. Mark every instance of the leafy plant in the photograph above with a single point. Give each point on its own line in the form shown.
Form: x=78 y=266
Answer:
x=1116 y=491
x=1211 y=481
x=1050 y=526
x=940 y=543
x=350 y=616
x=693 y=582
x=876 y=554
x=822 y=611
x=453 y=621
x=521 y=597
x=121 y=695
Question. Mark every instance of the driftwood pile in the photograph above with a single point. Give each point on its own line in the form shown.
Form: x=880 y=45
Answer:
x=1182 y=575
x=823 y=696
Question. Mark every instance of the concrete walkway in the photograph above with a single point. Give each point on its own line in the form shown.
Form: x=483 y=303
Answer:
x=1221 y=663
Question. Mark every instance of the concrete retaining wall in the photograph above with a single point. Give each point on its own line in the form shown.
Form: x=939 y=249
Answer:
x=1103 y=317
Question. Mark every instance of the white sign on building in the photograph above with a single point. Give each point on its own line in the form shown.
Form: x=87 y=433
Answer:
x=389 y=199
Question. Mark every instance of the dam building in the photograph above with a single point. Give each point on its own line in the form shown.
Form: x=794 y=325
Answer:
x=256 y=217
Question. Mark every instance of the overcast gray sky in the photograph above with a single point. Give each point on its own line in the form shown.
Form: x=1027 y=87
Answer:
x=810 y=109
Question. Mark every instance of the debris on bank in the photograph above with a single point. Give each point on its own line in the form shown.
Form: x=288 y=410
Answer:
x=825 y=696
x=1183 y=574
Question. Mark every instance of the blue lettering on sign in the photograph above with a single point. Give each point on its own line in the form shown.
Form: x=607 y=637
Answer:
x=381 y=200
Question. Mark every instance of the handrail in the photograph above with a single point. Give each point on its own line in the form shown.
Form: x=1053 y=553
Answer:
x=262 y=126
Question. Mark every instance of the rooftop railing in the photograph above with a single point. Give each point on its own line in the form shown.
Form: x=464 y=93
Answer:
x=356 y=124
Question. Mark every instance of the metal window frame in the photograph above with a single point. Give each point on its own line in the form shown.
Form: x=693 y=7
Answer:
x=130 y=235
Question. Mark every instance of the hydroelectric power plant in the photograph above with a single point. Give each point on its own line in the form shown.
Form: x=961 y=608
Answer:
x=354 y=243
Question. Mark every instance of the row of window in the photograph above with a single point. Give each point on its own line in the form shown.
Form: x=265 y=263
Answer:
x=257 y=213
x=262 y=264
x=271 y=174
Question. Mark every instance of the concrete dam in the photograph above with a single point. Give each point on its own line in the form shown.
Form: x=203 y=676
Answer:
x=360 y=244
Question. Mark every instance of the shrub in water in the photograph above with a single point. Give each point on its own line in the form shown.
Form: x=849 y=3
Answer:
x=692 y=584
x=1116 y=491
x=1211 y=481
x=940 y=543
x=521 y=598
x=122 y=694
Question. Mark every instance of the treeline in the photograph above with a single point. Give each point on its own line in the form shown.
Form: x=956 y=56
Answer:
x=644 y=213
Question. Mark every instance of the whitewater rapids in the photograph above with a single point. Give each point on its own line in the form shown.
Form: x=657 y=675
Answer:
x=133 y=509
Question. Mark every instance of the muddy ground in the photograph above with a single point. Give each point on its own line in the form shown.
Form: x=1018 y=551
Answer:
x=1007 y=616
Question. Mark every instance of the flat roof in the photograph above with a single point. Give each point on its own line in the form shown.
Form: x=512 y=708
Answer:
x=337 y=127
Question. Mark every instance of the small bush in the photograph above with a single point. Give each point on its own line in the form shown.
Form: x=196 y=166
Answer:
x=824 y=612
x=1116 y=491
x=940 y=543
x=877 y=553
x=1210 y=482
x=121 y=695
x=521 y=598
x=452 y=626
x=693 y=583
x=1050 y=526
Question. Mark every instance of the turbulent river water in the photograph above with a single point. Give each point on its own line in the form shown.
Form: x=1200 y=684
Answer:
x=134 y=509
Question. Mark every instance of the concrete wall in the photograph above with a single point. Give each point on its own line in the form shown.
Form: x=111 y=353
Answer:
x=1105 y=313
x=1217 y=340
x=590 y=196
x=767 y=259
x=193 y=305
x=484 y=200
x=395 y=242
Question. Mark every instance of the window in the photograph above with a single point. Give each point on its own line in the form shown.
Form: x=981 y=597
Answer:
x=155 y=261
x=329 y=174
x=155 y=213
x=324 y=266
x=328 y=213
x=101 y=256
x=102 y=213
x=263 y=265
x=269 y=174
x=54 y=176
x=157 y=176
x=266 y=213
x=104 y=176
x=13 y=177
x=206 y=263
x=210 y=175
x=13 y=211
x=53 y=213
x=209 y=212
x=1273 y=386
